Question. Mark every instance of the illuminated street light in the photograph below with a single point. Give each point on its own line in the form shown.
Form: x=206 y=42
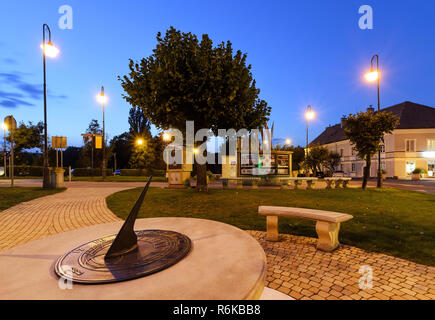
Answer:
x=195 y=150
x=288 y=141
x=373 y=76
x=139 y=142
x=103 y=99
x=51 y=51
x=166 y=137
x=309 y=115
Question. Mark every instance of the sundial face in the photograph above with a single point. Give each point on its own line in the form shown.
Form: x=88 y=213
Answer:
x=156 y=250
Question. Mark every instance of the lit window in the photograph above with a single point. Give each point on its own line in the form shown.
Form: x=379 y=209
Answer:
x=430 y=145
x=410 y=145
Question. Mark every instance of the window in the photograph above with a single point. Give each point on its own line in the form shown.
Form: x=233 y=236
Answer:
x=341 y=167
x=410 y=166
x=382 y=148
x=353 y=151
x=430 y=145
x=353 y=167
x=341 y=152
x=410 y=145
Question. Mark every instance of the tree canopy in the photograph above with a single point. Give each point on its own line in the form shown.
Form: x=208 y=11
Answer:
x=187 y=79
x=365 y=131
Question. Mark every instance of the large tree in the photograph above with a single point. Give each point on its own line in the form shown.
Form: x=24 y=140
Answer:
x=27 y=137
x=187 y=79
x=365 y=131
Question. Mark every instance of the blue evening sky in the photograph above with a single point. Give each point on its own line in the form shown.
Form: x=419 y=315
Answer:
x=302 y=52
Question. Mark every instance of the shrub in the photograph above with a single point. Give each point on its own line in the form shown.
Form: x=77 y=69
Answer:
x=34 y=171
x=87 y=172
x=418 y=171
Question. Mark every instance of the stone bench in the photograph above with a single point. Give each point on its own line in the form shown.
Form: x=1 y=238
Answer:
x=337 y=182
x=327 y=225
x=298 y=181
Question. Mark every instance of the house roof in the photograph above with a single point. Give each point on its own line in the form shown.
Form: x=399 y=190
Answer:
x=411 y=116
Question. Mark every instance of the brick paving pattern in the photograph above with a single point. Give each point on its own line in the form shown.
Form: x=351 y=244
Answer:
x=297 y=269
x=65 y=211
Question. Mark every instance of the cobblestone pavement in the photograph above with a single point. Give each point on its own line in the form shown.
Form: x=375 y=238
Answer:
x=297 y=269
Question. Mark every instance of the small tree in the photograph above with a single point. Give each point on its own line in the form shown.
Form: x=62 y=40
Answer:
x=187 y=79
x=365 y=131
x=316 y=157
x=332 y=161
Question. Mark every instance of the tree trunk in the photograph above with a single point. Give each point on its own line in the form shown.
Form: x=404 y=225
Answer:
x=201 y=178
x=366 y=172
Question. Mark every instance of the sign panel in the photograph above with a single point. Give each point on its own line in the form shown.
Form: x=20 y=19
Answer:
x=268 y=164
x=98 y=142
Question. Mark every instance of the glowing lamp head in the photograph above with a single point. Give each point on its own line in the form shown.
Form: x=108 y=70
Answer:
x=288 y=141
x=372 y=76
x=139 y=142
x=4 y=126
x=101 y=98
x=50 y=50
x=309 y=115
x=166 y=136
x=195 y=150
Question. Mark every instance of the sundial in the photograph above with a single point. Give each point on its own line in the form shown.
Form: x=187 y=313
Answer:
x=124 y=256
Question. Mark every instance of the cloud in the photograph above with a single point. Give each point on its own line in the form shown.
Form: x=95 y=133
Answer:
x=9 y=61
x=14 y=103
x=22 y=91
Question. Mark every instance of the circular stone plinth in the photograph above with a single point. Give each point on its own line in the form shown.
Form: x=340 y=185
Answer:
x=224 y=263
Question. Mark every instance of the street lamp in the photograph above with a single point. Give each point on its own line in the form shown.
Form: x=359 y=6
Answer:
x=372 y=76
x=103 y=99
x=309 y=115
x=51 y=51
x=288 y=142
x=5 y=127
x=139 y=142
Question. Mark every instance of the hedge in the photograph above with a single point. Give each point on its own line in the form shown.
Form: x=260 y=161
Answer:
x=87 y=172
x=34 y=171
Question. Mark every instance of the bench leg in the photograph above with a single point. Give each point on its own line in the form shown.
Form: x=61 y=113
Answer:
x=309 y=185
x=345 y=184
x=254 y=184
x=328 y=184
x=296 y=183
x=337 y=184
x=328 y=235
x=272 y=228
x=239 y=184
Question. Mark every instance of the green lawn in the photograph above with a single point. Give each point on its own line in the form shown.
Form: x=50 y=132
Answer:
x=12 y=196
x=396 y=222
x=118 y=179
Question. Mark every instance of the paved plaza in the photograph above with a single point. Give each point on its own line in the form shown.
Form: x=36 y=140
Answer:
x=295 y=267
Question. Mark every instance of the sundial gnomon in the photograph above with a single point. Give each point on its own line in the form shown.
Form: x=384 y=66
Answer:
x=128 y=255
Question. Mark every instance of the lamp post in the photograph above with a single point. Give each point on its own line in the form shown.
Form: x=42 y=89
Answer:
x=371 y=77
x=309 y=115
x=102 y=99
x=47 y=50
x=4 y=146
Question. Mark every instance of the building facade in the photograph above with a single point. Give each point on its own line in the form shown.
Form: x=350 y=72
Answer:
x=411 y=145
